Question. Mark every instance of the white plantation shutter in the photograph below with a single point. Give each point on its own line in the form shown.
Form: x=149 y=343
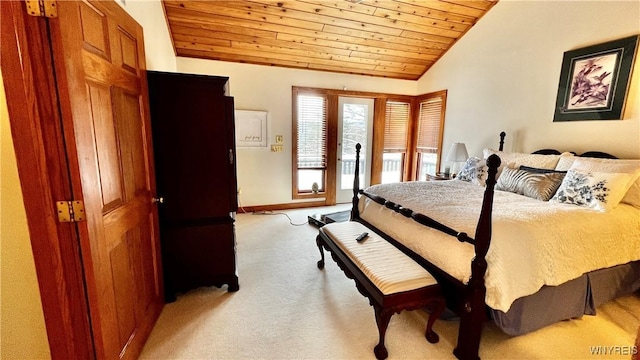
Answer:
x=312 y=132
x=396 y=126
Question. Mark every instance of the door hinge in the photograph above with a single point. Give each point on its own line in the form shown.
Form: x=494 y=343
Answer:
x=42 y=8
x=70 y=211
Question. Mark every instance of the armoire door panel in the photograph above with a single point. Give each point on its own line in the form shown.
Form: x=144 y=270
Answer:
x=232 y=183
x=197 y=170
x=191 y=141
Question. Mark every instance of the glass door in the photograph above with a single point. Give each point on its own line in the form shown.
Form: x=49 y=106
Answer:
x=355 y=125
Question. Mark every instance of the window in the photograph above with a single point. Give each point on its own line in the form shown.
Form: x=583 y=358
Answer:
x=396 y=130
x=429 y=133
x=405 y=145
x=311 y=143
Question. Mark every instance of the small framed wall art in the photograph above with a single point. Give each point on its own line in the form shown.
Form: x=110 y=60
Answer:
x=594 y=81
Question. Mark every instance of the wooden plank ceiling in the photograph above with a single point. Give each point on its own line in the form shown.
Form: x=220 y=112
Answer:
x=398 y=39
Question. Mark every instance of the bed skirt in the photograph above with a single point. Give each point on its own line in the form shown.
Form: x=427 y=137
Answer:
x=580 y=296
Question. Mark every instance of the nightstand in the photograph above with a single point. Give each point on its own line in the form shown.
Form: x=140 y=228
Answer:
x=437 y=176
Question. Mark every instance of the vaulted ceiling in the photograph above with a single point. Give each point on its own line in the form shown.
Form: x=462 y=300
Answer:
x=398 y=39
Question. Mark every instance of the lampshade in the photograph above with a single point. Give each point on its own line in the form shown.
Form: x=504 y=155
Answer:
x=457 y=153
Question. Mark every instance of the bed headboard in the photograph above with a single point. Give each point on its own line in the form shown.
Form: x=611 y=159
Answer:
x=591 y=154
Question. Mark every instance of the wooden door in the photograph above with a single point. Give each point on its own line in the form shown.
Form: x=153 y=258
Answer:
x=100 y=69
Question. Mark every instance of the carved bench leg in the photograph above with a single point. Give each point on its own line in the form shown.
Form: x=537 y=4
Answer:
x=436 y=307
x=321 y=261
x=382 y=319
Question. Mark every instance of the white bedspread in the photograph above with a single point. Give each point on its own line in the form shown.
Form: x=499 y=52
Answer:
x=534 y=243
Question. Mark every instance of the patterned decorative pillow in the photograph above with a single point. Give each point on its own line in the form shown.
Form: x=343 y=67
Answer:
x=536 y=185
x=596 y=190
x=474 y=171
x=614 y=166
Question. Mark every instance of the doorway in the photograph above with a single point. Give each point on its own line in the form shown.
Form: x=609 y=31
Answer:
x=355 y=125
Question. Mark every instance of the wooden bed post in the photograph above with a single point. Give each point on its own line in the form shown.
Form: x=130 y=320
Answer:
x=473 y=315
x=502 y=135
x=355 y=214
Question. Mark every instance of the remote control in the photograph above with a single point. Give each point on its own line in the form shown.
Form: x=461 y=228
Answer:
x=362 y=236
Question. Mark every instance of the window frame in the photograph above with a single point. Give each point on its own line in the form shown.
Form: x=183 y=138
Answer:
x=406 y=165
x=416 y=156
x=379 y=119
x=329 y=164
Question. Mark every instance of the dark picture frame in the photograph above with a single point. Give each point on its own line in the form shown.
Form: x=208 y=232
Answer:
x=594 y=81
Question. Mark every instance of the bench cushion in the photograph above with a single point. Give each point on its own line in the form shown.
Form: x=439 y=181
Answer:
x=388 y=268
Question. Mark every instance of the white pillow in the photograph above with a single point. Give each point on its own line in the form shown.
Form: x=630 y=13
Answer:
x=614 y=166
x=565 y=163
x=601 y=191
x=514 y=159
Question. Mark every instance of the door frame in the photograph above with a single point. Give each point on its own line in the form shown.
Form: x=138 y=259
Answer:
x=377 y=141
x=339 y=193
x=48 y=171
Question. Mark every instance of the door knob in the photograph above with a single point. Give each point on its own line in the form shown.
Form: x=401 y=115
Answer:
x=158 y=200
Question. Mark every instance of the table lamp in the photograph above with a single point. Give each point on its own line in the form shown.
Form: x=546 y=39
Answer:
x=457 y=154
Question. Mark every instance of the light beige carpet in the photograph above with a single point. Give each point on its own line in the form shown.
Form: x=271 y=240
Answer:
x=287 y=308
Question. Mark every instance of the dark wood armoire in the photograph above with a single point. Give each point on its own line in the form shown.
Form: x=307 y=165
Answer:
x=194 y=147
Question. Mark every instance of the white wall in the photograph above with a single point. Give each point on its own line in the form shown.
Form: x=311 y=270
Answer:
x=503 y=75
x=265 y=176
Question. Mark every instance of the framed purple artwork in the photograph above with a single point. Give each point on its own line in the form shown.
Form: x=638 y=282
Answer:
x=594 y=81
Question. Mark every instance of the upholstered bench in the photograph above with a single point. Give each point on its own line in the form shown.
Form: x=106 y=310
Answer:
x=389 y=278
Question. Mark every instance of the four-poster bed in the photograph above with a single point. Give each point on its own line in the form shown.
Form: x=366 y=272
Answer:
x=424 y=232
